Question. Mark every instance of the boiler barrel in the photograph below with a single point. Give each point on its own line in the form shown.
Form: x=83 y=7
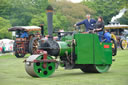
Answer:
x=63 y=48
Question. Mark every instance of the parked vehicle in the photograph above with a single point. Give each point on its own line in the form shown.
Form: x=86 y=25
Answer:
x=119 y=33
x=26 y=44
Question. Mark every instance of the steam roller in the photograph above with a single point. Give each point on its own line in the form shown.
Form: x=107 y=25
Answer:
x=72 y=51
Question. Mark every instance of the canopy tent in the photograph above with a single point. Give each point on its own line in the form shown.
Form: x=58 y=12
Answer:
x=25 y=28
x=116 y=26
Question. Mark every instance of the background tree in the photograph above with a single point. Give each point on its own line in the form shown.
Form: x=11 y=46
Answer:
x=66 y=14
x=108 y=9
x=105 y=8
x=20 y=12
x=124 y=19
x=74 y=12
x=23 y=10
x=4 y=25
x=59 y=21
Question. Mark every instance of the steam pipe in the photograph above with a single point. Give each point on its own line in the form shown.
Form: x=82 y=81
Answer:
x=50 y=22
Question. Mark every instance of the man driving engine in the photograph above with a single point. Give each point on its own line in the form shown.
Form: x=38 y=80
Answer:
x=88 y=23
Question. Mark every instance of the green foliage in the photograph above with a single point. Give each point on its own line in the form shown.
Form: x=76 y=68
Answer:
x=105 y=8
x=66 y=14
x=124 y=19
x=59 y=21
x=4 y=8
x=124 y=3
x=72 y=11
x=20 y=12
x=23 y=10
x=4 y=25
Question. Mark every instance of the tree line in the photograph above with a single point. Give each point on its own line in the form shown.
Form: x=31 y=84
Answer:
x=32 y=12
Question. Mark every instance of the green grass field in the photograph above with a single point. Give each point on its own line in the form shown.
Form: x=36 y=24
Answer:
x=12 y=72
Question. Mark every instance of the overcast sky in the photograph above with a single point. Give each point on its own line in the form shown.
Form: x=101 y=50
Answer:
x=76 y=1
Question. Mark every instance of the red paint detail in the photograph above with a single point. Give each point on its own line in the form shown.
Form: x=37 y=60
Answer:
x=44 y=58
x=106 y=46
x=39 y=51
x=35 y=61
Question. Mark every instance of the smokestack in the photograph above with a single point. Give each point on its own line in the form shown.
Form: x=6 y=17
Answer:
x=50 y=21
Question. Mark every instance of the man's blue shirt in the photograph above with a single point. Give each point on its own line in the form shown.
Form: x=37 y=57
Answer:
x=23 y=35
x=87 y=24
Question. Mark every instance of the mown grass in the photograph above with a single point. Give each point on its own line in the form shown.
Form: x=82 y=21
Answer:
x=12 y=72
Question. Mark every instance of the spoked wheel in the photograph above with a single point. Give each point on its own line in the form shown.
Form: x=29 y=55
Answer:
x=95 y=68
x=19 y=55
x=114 y=47
x=123 y=44
x=33 y=45
x=37 y=69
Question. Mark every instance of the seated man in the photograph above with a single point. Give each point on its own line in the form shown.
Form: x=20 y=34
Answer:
x=107 y=36
x=24 y=34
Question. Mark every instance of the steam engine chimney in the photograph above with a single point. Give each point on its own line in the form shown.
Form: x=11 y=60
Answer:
x=50 y=21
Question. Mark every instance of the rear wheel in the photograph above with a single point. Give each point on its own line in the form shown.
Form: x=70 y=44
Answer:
x=33 y=45
x=123 y=44
x=19 y=55
x=114 y=47
x=96 y=68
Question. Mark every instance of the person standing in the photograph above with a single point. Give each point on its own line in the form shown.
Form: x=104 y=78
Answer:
x=88 y=23
x=99 y=28
x=42 y=29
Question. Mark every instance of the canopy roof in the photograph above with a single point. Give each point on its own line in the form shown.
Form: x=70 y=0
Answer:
x=25 y=28
x=118 y=26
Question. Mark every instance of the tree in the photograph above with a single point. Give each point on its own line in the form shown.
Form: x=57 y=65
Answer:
x=4 y=25
x=20 y=12
x=124 y=19
x=74 y=12
x=23 y=10
x=105 y=8
x=59 y=21
x=5 y=8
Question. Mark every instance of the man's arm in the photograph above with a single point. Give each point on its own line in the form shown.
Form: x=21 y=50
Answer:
x=82 y=22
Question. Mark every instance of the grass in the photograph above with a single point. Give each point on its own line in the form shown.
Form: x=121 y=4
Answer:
x=12 y=72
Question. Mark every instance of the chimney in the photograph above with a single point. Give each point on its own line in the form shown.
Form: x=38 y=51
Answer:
x=50 y=21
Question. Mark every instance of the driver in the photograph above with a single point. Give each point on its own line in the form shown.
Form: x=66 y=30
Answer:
x=88 y=23
x=24 y=34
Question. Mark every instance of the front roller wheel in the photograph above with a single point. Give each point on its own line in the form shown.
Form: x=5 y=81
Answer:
x=37 y=69
x=93 y=68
